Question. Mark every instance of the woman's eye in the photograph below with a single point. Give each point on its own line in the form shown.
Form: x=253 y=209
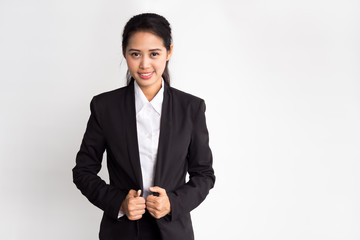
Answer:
x=154 y=54
x=135 y=54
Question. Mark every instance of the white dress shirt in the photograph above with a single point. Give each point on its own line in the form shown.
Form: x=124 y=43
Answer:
x=148 y=128
x=148 y=115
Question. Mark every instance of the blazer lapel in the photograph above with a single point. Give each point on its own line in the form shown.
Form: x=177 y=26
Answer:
x=131 y=133
x=165 y=136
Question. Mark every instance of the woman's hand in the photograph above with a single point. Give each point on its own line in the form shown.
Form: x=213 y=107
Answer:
x=133 y=205
x=158 y=206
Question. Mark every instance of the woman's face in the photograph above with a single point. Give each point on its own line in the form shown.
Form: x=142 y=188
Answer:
x=146 y=57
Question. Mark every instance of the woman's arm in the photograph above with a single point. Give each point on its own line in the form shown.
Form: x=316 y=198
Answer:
x=202 y=178
x=88 y=164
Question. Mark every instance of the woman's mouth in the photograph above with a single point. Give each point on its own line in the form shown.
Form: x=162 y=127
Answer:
x=146 y=75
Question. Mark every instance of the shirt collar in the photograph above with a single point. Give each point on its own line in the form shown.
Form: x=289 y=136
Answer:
x=141 y=100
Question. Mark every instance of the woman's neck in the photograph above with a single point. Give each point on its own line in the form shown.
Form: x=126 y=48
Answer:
x=151 y=91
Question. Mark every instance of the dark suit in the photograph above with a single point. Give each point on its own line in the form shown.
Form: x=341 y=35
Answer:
x=183 y=147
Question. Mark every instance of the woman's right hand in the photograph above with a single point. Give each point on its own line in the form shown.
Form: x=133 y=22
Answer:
x=133 y=205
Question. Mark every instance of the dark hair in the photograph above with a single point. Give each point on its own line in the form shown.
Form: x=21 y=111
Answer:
x=148 y=22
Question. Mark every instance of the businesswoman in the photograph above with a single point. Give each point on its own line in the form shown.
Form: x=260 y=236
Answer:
x=153 y=135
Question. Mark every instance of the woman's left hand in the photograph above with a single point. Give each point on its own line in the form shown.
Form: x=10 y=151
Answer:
x=158 y=206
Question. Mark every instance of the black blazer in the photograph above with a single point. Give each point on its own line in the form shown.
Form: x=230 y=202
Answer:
x=183 y=147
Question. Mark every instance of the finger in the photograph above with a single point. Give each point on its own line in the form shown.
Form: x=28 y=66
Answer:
x=136 y=209
x=156 y=214
x=138 y=193
x=136 y=217
x=152 y=211
x=136 y=206
x=161 y=191
x=150 y=205
x=137 y=212
x=154 y=206
x=150 y=198
x=137 y=201
x=132 y=193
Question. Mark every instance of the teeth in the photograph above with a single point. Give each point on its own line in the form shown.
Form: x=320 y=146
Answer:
x=145 y=74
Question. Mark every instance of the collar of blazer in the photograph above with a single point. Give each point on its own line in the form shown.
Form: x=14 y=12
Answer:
x=164 y=137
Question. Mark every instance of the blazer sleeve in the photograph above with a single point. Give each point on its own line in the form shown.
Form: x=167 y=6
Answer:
x=201 y=174
x=88 y=164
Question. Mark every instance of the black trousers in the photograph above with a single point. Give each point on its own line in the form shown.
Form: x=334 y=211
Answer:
x=147 y=227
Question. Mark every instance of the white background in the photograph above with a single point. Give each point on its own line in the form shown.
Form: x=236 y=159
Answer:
x=281 y=80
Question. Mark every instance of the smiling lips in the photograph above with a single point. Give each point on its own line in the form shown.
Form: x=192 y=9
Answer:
x=146 y=75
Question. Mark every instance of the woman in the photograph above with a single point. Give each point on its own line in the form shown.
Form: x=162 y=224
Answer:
x=153 y=135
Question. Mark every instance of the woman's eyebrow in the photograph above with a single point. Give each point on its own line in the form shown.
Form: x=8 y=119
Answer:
x=155 y=49
x=150 y=50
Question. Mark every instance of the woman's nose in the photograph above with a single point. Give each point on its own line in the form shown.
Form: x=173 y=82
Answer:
x=145 y=62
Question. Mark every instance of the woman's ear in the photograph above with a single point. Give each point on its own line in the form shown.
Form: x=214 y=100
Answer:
x=169 y=52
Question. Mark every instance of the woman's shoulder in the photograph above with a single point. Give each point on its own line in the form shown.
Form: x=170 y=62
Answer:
x=187 y=102
x=184 y=96
x=111 y=95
